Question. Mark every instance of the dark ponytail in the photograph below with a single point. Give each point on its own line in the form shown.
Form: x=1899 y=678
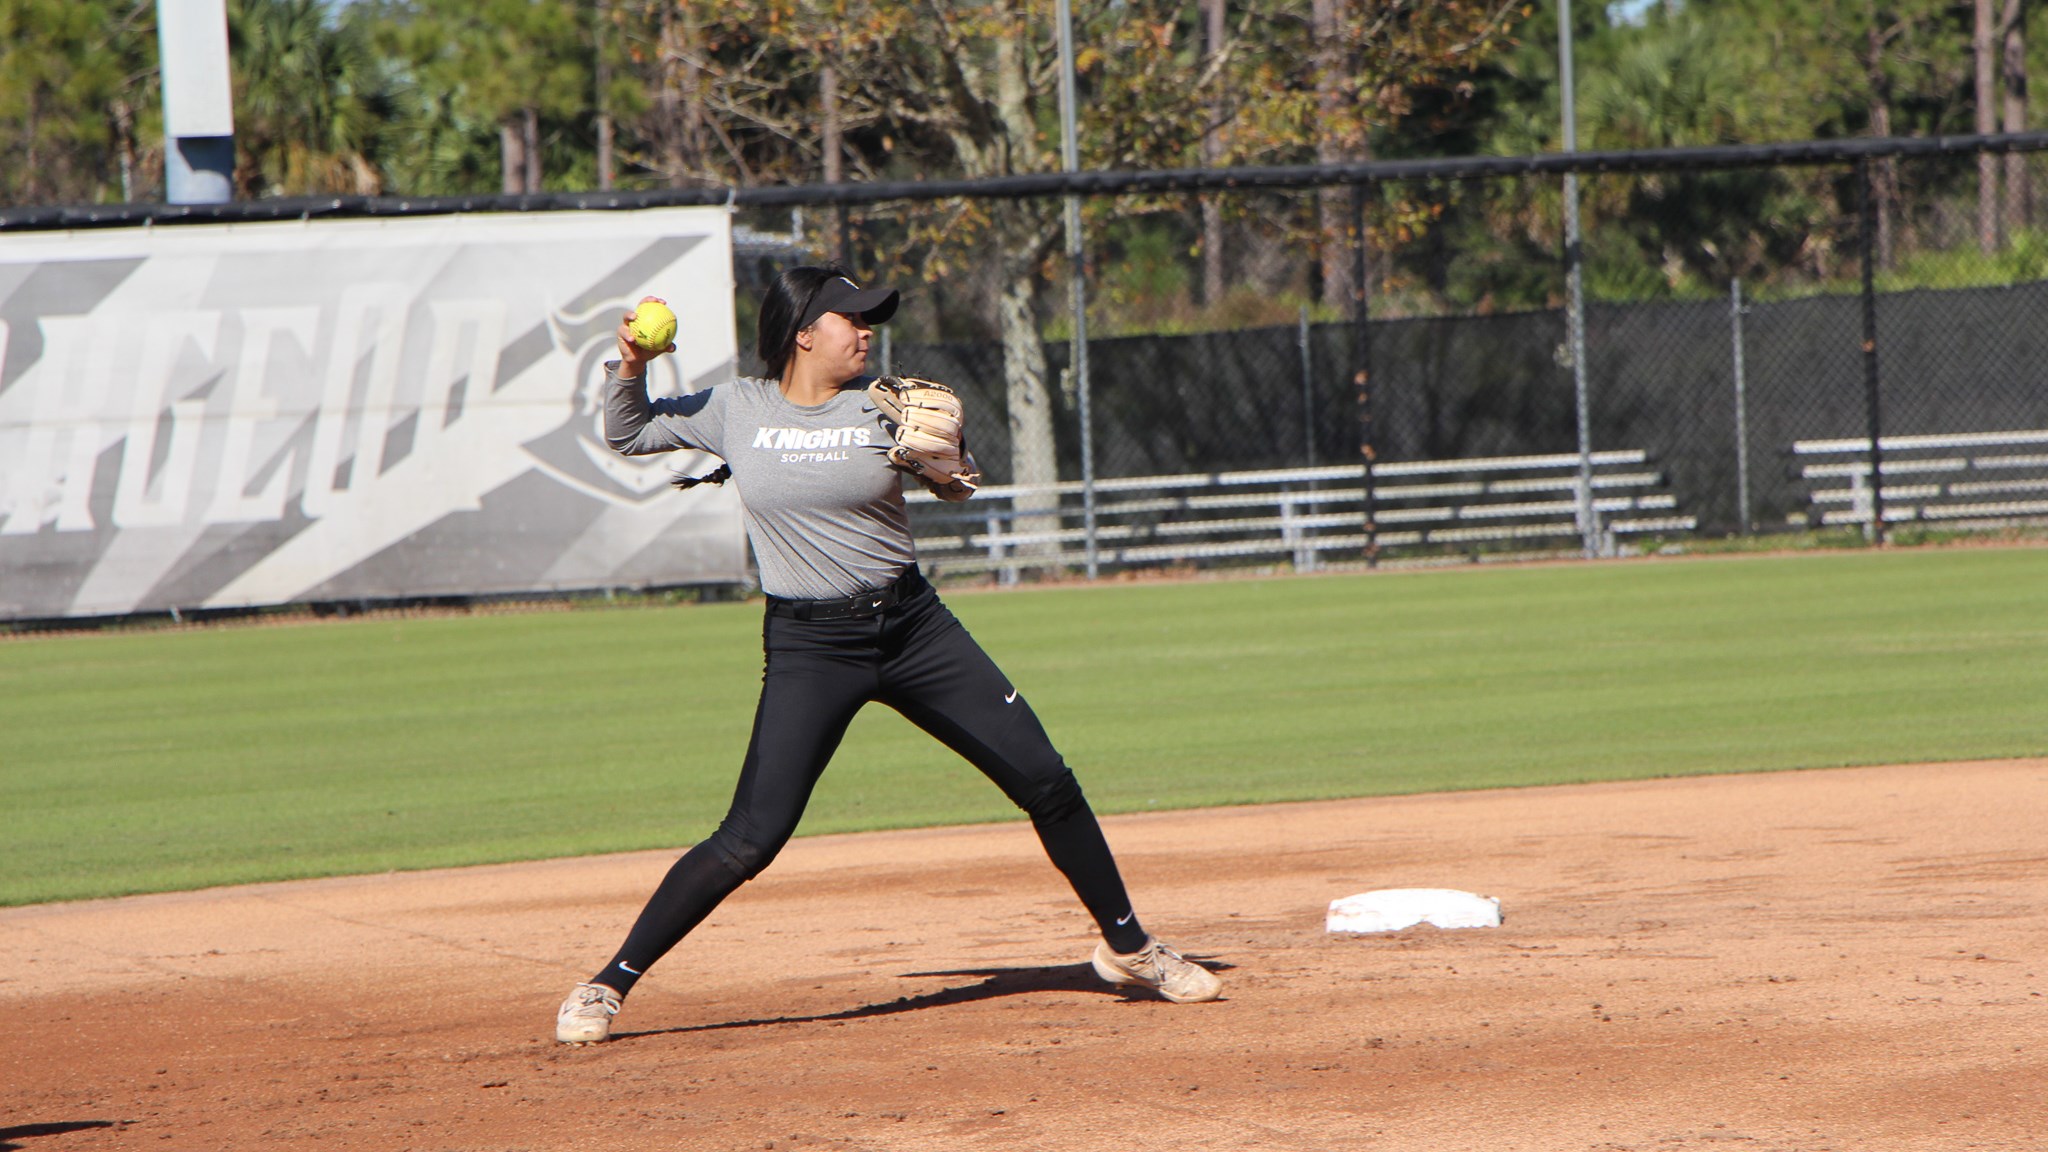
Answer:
x=783 y=306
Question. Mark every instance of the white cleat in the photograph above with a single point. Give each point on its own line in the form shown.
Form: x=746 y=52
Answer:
x=586 y=1016
x=1160 y=968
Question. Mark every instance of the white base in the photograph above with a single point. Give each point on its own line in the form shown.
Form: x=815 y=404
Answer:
x=1392 y=909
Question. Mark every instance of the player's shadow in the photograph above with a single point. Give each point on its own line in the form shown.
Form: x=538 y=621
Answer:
x=8 y=1136
x=994 y=983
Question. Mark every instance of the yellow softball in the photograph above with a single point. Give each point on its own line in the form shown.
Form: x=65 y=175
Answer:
x=653 y=326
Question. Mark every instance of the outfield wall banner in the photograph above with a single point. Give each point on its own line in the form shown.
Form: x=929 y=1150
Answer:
x=227 y=416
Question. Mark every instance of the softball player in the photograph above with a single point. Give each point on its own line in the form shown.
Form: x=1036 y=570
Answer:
x=849 y=620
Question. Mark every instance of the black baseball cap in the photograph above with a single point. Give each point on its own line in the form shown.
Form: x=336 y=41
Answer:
x=839 y=294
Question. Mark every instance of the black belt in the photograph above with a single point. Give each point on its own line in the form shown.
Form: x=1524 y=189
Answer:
x=861 y=607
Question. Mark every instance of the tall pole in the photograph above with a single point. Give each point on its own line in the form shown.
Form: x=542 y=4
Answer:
x=1077 y=287
x=1870 y=391
x=830 y=144
x=199 y=106
x=1575 y=286
x=1735 y=311
x=601 y=74
x=1308 y=386
x=1361 y=372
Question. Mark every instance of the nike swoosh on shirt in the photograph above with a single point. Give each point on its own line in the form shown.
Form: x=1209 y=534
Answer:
x=1011 y=698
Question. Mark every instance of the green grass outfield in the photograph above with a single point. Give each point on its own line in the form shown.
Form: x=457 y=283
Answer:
x=144 y=761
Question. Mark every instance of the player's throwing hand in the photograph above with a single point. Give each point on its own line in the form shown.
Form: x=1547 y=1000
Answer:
x=634 y=327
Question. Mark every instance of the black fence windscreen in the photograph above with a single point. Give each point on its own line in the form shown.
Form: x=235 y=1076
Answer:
x=1720 y=336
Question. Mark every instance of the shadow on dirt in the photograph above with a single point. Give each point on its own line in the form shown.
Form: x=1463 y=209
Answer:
x=995 y=982
x=8 y=1136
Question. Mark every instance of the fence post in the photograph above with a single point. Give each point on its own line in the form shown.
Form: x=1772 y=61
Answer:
x=1575 y=284
x=1308 y=404
x=1870 y=390
x=1077 y=288
x=1361 y=358
x=1735 y=311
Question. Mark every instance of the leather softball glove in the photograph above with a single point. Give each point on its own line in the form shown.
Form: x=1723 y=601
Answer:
x=922 y=417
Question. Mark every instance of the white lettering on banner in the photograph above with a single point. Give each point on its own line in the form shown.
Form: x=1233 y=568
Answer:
x=332 y=442
x=164 y=337
x=484 y=321
x=776 y=439
x=67 y=408
x=373 y=432
x=250 y=405
x=51 y=475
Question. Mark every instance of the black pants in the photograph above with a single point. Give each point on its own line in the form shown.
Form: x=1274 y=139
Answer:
x=914 y=657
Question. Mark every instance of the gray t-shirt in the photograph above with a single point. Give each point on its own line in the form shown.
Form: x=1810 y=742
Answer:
x=823 y=508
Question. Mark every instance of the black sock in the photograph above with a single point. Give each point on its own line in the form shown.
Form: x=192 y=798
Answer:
x=617 y=977
x=693 y=887
x=1074 y=841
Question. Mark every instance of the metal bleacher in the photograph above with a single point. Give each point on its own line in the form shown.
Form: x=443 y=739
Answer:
x=1960 y=480
x=1298 y=514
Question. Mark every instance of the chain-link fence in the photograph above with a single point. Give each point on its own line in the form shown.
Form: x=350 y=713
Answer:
x=1729 y=341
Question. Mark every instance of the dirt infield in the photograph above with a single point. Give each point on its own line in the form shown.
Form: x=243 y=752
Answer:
x=1848 y=960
